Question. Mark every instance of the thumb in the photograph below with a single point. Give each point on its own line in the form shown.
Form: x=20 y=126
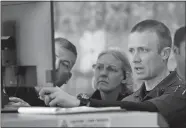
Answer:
x=54 y=102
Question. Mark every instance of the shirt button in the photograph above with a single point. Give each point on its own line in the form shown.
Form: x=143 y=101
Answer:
x=162 y=90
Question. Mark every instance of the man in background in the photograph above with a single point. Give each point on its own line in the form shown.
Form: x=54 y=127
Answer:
x=66 y=55
x=179 y=50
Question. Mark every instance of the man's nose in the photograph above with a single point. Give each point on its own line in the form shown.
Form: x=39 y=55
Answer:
x=136 y=58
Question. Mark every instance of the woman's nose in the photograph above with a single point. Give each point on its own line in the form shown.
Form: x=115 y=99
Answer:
x=104 y=71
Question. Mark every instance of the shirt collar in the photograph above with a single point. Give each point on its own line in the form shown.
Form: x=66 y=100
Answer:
x=160 y=88
x=97 y=95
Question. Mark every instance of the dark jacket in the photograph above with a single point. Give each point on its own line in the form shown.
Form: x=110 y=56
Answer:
x=28 y=94
x=169 y=97
x=96 y=95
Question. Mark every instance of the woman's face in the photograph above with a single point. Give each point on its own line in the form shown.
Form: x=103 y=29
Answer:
x=108 y=73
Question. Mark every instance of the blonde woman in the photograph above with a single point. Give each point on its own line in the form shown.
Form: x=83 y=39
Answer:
x=111 y=72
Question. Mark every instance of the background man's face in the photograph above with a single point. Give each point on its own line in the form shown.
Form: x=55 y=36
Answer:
x=65 y=60
x=180 y=58
x=143 y=55
x=182 y=49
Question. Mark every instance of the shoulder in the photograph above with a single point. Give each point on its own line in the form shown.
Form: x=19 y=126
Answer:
x=132 y=97
x=177 y=85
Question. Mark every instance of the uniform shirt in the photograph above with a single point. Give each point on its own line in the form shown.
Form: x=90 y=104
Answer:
x=168 y=97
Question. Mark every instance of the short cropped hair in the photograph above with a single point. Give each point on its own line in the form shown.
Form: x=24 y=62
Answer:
x=66 y=44
x=118 y=54
x=159 y=28
x=179 y=36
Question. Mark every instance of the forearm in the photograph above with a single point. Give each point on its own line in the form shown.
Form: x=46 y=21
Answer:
x=130 y=106
x=139 y=106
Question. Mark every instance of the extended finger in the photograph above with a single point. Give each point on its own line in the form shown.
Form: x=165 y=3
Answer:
x=13 y=104
x=15 y=99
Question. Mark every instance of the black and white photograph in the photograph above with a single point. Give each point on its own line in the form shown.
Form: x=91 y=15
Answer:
x=93 y=64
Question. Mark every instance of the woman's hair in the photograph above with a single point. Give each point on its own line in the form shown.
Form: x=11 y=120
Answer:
x=126 y=68
x=118 y=54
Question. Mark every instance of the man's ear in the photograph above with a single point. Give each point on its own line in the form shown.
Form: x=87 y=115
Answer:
x=165 y=53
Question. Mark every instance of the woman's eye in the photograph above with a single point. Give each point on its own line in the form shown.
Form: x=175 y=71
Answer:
x=112 y=69
x=98 y=67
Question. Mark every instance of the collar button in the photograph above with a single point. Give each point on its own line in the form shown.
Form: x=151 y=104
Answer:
x=162 y=90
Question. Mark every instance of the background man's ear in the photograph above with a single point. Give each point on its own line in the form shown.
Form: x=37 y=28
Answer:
x=165 y=53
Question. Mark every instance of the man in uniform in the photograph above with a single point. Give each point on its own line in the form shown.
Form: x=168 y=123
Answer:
x=149 y=48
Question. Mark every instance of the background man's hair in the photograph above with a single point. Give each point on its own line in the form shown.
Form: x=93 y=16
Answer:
x=159 y=28
x=179 y=36
x=66 y=44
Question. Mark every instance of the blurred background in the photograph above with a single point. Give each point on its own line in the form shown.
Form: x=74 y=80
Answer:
x=96 y=26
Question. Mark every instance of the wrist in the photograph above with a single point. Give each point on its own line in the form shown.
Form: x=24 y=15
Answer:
x=84 y=99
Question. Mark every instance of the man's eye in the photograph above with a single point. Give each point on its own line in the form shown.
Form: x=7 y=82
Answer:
x=65 y=65
x=131 y=50
x=144 y=50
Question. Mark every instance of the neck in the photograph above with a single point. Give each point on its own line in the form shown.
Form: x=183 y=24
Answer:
x=150 y=84
x=181 y=72
x=112 y=96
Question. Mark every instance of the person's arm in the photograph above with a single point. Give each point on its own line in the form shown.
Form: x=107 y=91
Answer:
x=60 y=98
x=128 y=105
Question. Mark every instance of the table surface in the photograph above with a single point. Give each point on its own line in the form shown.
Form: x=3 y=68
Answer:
x=115 y=119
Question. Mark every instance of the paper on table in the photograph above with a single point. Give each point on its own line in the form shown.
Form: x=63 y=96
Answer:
x=57 y=110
